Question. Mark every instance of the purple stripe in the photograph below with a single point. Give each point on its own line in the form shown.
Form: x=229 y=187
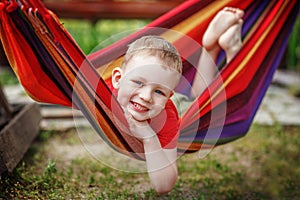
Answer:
x=238 y=123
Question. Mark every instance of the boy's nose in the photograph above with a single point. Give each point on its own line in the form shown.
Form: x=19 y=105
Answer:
x=146 y=94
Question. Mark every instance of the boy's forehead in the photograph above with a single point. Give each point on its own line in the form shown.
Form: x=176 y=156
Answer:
x=141 y=60
x=155 y=74
x=146 y=62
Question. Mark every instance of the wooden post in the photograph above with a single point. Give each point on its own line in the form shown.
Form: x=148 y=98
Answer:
x=20 y=128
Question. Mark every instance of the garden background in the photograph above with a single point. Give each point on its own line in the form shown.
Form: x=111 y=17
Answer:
x=262 y=165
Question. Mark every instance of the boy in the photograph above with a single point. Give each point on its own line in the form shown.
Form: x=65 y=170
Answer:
x=144 y=84
x=150 y=71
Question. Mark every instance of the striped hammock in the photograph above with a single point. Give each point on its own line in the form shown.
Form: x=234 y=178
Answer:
x=53 y=69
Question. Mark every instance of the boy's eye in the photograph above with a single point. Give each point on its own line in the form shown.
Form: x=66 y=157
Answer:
x=138 y=82
x=160 y=92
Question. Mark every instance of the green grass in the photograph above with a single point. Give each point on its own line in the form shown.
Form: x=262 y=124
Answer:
x=262 y=165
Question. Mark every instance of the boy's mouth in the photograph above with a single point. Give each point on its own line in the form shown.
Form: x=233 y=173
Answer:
x=138 y=107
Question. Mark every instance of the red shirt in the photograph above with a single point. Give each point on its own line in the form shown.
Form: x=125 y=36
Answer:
x=166 y=126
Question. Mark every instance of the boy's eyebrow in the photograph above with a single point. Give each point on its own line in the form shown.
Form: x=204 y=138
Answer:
x=143 y=79
x=139 y=77
x=162 y=87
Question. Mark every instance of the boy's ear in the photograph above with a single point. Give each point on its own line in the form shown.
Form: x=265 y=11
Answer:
x=116 y=76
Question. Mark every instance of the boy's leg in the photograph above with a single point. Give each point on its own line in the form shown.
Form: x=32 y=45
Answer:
x=221 y=23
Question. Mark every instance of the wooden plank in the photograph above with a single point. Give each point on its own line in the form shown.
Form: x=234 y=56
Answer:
x=4 y=103
x=17 y=136
x=109 y=9
x=60 y=112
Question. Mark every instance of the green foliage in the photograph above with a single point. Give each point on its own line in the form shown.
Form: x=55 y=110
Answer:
x=293 y=48
x=8 y=78
x=94 y=36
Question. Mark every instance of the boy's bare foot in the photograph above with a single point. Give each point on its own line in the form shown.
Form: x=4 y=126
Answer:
x=230 y=41
x=220 y=23
x=227 y=23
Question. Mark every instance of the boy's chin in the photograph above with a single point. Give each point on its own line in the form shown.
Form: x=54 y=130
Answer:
x=145 y=117
x=141 y=118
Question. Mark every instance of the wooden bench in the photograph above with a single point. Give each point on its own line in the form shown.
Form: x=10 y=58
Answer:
x=111 y=9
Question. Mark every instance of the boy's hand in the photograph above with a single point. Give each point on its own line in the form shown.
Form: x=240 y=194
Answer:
x=139 y=129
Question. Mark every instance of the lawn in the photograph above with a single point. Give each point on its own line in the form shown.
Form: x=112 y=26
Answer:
x=262 y=165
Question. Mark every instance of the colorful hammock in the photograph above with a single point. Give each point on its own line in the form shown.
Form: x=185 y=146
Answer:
x=53 y=69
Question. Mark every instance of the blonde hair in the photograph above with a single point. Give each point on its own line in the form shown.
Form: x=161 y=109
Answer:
x=155 y=46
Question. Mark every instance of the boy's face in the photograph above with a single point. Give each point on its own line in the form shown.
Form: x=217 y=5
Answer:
x=144 y=86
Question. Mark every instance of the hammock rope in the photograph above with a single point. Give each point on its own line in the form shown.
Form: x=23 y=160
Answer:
x=53 y=69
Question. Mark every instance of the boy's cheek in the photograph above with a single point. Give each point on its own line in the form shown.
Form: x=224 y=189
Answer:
x=123 y=99
x=158 y=108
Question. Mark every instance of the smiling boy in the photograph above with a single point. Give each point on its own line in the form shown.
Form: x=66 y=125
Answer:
x=151 y=70
x=146 y=81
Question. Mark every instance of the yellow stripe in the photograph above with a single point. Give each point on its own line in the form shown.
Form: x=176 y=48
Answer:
x=106 y=70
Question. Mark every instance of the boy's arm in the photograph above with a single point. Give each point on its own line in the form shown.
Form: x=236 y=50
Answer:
x=161 y=165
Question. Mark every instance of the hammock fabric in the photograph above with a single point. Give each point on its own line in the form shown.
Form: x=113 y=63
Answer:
x=53 y=69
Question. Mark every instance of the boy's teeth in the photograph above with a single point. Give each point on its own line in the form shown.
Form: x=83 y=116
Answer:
x=139 y=107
